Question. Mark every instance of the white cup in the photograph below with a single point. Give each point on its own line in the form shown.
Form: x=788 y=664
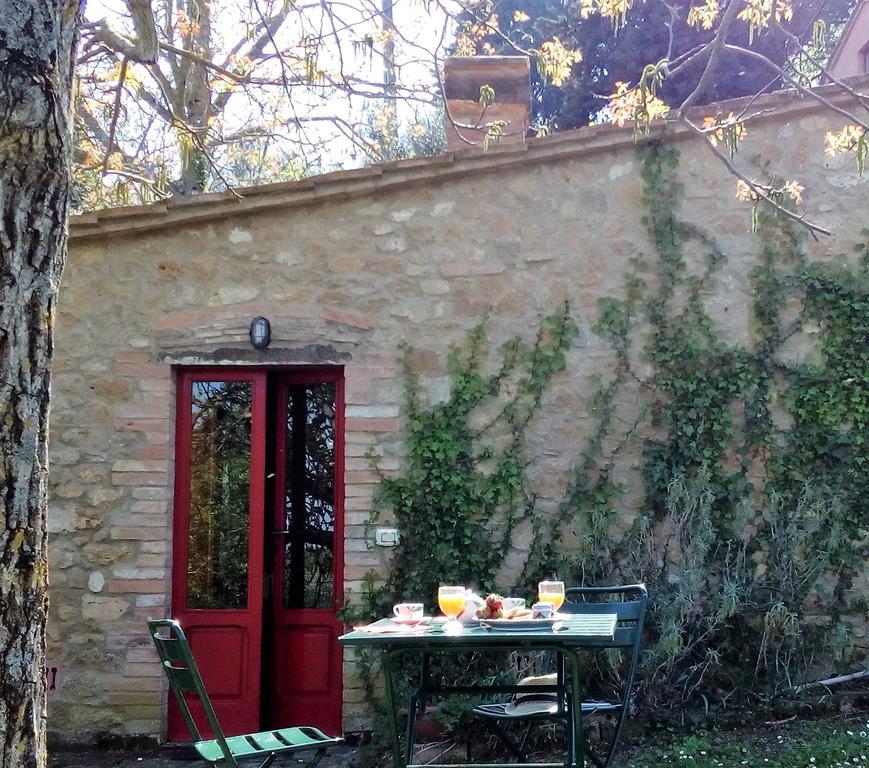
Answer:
x=509 y=603
x=408 y=610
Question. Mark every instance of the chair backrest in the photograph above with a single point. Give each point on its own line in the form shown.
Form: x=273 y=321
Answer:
x=184 y=678
x=627 y=602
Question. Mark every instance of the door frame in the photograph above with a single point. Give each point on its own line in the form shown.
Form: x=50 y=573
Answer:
x=261 y=519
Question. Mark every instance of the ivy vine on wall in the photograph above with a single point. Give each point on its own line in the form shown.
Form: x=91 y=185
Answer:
x=753 y=526
x=463 y=486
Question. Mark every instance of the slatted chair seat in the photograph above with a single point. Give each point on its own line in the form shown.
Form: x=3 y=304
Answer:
x=628 y=603
x=255 y=744
x=500 y=711
x=184 y=678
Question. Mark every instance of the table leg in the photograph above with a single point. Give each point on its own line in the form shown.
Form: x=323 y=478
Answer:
x=423 y=681
x=576 y=757
x=410 y=729
x=393 y=711
x=416 y=704
x=559 y=679
x=563 y=704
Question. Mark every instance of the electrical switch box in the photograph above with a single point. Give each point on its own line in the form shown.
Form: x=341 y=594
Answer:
x=386 y=537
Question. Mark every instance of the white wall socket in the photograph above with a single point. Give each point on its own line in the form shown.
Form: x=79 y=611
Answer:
x=386 y=537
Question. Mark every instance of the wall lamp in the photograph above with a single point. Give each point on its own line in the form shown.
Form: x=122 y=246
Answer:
x=260 y=332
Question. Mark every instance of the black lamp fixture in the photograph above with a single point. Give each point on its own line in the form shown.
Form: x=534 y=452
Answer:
x=260 y=332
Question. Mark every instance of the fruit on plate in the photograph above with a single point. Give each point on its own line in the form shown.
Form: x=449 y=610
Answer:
x=493 y=608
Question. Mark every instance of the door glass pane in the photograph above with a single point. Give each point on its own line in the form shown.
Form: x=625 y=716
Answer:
x=219 y=484
x=309 y=496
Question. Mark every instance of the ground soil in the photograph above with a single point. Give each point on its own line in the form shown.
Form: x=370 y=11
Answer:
x=760 y=735
x=168 y=758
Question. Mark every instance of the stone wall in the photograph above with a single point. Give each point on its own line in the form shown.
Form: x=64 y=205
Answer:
x=344 y=278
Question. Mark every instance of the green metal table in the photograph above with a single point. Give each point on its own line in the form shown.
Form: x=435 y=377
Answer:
x=571 y=636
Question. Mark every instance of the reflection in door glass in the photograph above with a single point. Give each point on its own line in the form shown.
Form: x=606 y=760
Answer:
x=309 y=496
x=220 y=445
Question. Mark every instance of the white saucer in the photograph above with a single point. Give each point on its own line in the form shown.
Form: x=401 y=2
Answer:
x=409 y=620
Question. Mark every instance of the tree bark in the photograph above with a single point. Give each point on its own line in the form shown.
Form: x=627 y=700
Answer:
x=37 y=43
x=194 y=94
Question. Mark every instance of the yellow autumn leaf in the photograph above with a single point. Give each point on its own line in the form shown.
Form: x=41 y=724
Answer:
x=751 y=193
x=759 y=13
x=186 y=26
x=745 y=193
x=634 y=105
x=704 y=16
x=615 y=10
x=726 y=130
x=465 y=45
x=520 y=16
x=794 y=190
x=555 y=61
x=382 y=35
x=844 y=140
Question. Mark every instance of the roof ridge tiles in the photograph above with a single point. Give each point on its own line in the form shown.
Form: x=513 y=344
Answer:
x=366 y=180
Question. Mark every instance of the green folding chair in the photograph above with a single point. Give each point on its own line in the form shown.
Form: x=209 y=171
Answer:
x=628 y=603
x=184 y=678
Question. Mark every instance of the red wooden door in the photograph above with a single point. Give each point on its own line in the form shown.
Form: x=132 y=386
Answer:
x=304 y=671
x=217 y=588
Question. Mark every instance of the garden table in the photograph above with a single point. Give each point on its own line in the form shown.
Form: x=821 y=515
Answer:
x=590 y=630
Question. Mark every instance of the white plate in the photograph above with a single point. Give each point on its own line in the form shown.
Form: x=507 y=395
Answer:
x=517 y=625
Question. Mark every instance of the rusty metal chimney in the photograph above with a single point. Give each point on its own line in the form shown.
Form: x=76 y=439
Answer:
x=467 y=123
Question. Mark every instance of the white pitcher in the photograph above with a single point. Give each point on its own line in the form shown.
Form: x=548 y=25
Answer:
x=472 y=602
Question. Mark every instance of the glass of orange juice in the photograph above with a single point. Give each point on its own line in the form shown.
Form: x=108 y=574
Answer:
x=551 y=592
x=451 y=601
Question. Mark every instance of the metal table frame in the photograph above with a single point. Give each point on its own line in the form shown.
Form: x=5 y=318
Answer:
x=565 y=643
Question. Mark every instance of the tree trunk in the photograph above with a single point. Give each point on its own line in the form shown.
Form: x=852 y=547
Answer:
x=37 y=44
x=194 y=93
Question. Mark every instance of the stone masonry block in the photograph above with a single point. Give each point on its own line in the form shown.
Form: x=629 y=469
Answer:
x=372 y=425
x=139 y=478
x=123 y=586
x=151 y=533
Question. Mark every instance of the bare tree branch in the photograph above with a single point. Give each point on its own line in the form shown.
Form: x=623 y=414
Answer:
x=753 y=185
x=143 y=48
x=116 y=111
x=862 y=99
x=715 y=51
x=811 y=93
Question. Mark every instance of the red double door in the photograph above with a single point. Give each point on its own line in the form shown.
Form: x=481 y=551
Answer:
x=257 y=561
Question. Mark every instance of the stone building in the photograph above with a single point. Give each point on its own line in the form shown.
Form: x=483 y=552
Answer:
x=851 y=55
x=162 y=405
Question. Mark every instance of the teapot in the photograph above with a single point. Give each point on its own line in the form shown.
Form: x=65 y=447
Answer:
x=472 y=602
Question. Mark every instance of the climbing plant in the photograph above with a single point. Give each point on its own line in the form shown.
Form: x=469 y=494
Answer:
x=462 y=488
x=754 y=463
x=750 y=528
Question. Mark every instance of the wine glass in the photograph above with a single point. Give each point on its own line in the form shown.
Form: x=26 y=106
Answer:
x=451 y=601
x=551 y=592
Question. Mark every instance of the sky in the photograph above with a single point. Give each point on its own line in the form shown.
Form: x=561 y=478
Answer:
x=421 y=29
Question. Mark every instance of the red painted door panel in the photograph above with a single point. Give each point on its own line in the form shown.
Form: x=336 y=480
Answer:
x=217 y=587
x=306 y=665
x=224 y=553
x=307 y=670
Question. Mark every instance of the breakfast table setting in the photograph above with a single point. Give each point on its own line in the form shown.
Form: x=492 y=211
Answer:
x=485 y=624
